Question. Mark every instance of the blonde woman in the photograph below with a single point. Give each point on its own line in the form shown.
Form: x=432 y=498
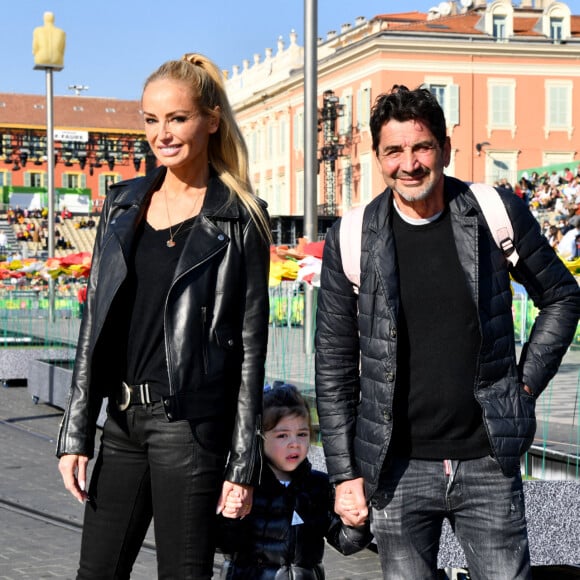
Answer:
x=175 y=335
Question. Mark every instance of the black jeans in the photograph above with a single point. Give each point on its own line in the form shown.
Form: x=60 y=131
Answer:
x=148 y=467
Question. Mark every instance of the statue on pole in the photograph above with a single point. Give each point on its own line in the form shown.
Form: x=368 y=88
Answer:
x=48 y=44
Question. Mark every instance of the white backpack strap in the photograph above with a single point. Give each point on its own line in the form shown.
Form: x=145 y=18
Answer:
x=350 y=244
x=497 y=218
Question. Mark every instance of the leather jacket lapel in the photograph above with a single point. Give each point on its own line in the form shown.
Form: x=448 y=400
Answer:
x=206 y=238
x=204 y=241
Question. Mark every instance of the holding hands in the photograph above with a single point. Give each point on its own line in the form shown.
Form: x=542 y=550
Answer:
x=235 y=500
x=350 y=502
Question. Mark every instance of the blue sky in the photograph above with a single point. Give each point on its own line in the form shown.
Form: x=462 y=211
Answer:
x=113 y=45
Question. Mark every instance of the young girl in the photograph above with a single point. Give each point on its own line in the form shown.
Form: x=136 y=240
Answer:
x=292 y=513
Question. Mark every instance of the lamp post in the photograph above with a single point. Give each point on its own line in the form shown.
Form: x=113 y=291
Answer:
x=48 y=44
x=310 y=110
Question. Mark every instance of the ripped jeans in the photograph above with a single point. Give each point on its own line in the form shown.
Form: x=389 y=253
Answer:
x=484 y=507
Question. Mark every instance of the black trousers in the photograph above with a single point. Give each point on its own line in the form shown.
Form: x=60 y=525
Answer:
x=149 y=468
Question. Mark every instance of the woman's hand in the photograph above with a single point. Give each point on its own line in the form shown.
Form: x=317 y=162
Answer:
x=235 y=500
x=73 y=469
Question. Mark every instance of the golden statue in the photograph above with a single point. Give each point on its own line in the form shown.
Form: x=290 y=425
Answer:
x=48 y=44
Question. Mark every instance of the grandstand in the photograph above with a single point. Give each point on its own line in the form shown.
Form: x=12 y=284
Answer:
x=79 y=239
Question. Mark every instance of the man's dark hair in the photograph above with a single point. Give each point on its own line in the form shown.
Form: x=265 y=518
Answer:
x=401 y=104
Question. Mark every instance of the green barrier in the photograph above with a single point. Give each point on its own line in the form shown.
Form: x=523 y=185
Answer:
x=287 y=305
x=37 y=304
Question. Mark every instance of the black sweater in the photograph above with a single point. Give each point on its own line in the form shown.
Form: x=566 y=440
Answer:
x=265 y=545
x=436 y=415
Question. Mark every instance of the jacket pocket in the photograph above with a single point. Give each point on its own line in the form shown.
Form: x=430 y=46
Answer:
x=226 y=338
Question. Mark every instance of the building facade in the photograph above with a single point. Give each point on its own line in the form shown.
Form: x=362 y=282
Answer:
x=507 y=77
x=96 y=140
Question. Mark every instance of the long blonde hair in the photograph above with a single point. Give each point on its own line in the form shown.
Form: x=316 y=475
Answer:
x=227 y=151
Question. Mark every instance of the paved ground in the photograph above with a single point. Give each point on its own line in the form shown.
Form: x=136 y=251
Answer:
x=40 y=523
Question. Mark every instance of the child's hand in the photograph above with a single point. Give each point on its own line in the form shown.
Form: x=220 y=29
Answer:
x=235 y=500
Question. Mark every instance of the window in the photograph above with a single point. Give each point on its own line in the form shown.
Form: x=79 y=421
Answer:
x=282 y=196
x=6 y=143
x=556 y=29
x=299 y=199
x=5 y=178
x=345 y=122
x=500 y=164
x=499 y=27
x=271 y=139
x=501 y=108
x=34 y=179
x=71 y=180
x=552 y=157
x=283 y=139
x=498 y=20
x=260 y=144
x=364 y=106
x=253 y=146
x=299 y=131
x=365 y=183
x=106 y=180
x=555 y=22
x=558 y=106
x=447 y=95
x=501 y=103
x=271 y=198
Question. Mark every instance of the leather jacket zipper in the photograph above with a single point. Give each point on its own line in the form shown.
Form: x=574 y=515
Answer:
x=204 y=339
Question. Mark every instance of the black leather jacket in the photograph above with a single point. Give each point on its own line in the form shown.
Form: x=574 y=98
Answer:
x=356 y=413
x=215 y=320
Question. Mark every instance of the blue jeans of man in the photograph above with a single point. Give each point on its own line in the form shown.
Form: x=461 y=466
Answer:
x=150 y=468
x=484 y=507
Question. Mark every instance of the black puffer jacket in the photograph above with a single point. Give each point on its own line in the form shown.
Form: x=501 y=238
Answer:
x=356 y=415
x=266 y=545
x=215 y=321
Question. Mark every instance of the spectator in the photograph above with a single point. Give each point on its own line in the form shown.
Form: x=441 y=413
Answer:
x=554 y=179
x=567 y=246
x=554 y=236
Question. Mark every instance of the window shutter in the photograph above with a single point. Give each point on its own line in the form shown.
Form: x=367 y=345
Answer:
x=453 y=111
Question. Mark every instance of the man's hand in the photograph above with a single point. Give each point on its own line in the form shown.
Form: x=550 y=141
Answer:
x=235 y=500
x=73 y=469
x=350 y=502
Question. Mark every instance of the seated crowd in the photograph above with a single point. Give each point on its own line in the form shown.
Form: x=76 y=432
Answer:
x=30 y=226
x=554 y=199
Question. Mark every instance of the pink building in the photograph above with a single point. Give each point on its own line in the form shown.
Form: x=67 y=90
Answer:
x=507 y=77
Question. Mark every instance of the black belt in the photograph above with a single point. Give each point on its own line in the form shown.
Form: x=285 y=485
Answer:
x=136 y=395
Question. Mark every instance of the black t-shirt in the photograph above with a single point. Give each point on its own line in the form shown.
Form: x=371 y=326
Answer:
x=436 y=415
x=147 y=286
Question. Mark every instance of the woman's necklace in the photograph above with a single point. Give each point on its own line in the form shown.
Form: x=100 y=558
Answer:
x=170 y=243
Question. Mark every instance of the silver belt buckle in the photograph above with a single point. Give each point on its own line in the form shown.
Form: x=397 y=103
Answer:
x=124 y=399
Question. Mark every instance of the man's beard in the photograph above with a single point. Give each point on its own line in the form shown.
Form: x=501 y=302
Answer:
x=418 y=195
